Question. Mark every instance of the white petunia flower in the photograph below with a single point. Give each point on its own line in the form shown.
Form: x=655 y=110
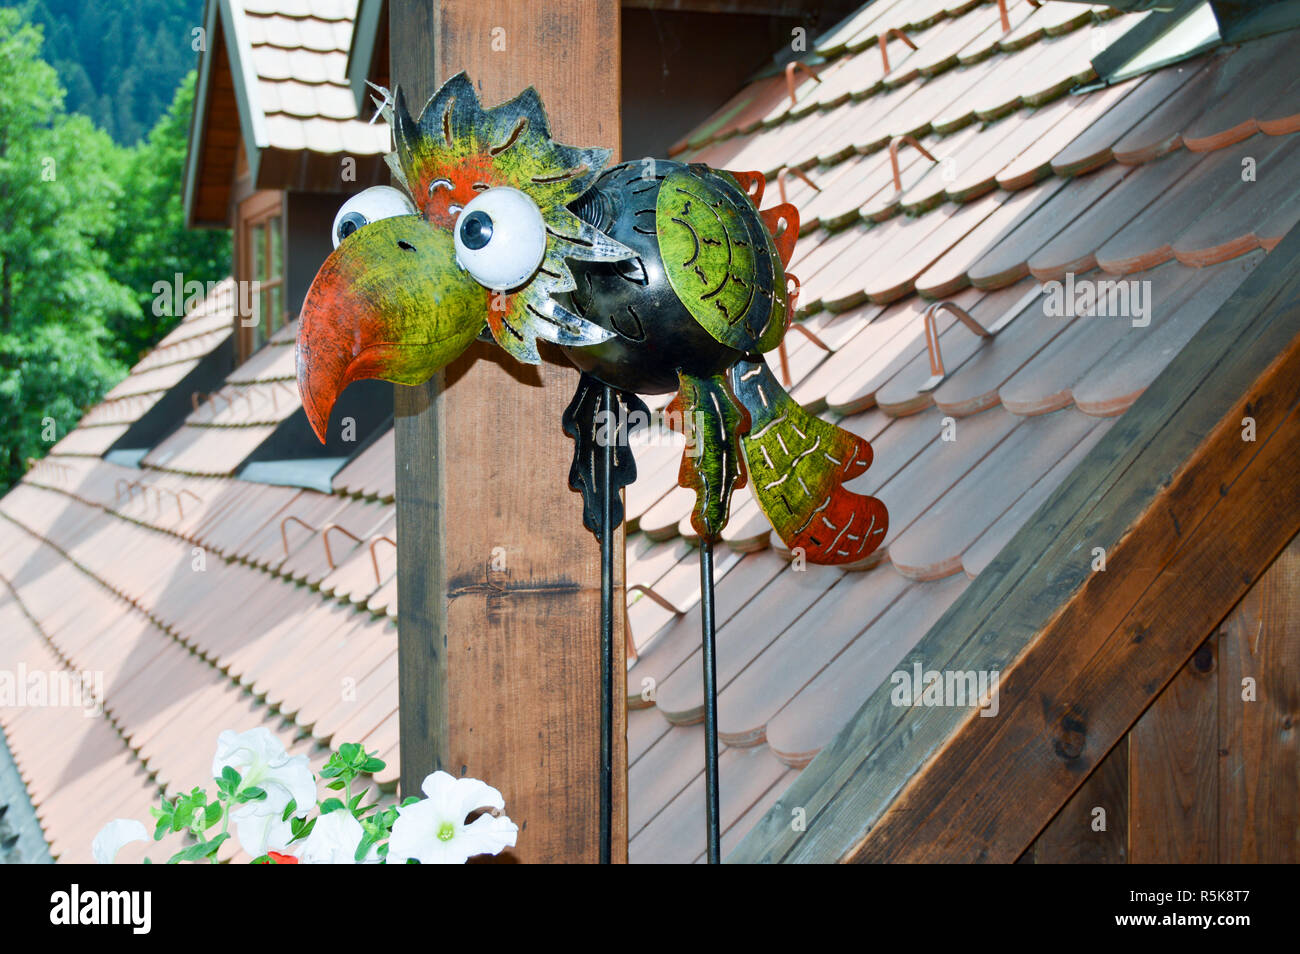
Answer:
x=433 y=830
x=113 y=836
x=262 y=762
x=333 y=841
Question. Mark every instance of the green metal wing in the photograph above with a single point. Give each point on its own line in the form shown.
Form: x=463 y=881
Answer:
x=720 y=260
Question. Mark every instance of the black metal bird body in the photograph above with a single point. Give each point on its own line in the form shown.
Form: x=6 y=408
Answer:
x=653 y=276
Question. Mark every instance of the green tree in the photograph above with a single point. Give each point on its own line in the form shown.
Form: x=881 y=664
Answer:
x=119 y=62
x=58 y=199
x=152 y=243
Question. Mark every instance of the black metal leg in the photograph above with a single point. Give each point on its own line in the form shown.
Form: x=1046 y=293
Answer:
x=607 y=634
x=710 y=700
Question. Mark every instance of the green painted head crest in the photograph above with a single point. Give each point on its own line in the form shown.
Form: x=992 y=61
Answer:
x=456 y=149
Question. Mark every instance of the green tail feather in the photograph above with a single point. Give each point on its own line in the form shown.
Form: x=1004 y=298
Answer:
x=713 y=465
x=798 y=465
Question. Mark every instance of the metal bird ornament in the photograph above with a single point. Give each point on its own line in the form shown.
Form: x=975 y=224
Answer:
x=652 y=276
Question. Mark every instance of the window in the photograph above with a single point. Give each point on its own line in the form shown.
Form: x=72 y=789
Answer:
x=261 y=270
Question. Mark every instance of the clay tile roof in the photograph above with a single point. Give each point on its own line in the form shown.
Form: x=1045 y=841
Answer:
x=133 y=573
x=227 y=425
x=200 y=592
x=1033 y=180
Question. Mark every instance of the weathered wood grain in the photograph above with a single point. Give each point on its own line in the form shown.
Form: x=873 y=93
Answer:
x=1258 y=749
x=1076 y=836
x=1174 y=792
x=500 y=667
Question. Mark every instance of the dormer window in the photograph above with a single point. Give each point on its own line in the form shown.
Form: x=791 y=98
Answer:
x=261 y=266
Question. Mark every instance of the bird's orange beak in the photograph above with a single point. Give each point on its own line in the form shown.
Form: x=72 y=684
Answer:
x=391 y=303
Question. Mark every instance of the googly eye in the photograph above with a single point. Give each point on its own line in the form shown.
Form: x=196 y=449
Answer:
x=500 y=238
x=377 y=202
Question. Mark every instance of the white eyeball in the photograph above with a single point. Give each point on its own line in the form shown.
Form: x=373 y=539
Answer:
x=500 y=238
x=377 y=202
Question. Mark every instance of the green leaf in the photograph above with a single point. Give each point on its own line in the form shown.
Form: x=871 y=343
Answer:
x=349 y=751
x=301 y=828
x=289 y=809
x=251 y=795
x=363 y=847
x=198 y=852
x=330 y=805
x=336 y=786
x=372 y=766
x=213 y=814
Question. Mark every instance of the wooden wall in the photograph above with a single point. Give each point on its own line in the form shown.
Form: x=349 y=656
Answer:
x=1206 y=774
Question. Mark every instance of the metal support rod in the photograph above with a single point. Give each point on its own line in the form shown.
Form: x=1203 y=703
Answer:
x=607 y=634
x=710 y=700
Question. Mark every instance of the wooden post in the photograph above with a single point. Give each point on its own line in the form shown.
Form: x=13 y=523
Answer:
x=498 y=581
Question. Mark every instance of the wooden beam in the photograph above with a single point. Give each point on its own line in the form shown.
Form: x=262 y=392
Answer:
x=499 y=583
x=1079 y=834
x=1189 y=515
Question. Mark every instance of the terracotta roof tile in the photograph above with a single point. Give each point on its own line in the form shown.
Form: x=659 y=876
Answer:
x=1161 y=130
x=932 y=547
x=1243 y=86
x=941 y=53
x=370 y=473
x=1146 y=240
x=952 y=271
x=1280 y=114
x=678 y=639
x=990 y=41
x=911 y=389
x=1237 y=220
x=365 y=569
x=825 y=703
x=1047 y=383
x=207 y=450
x=1077 y=113
x=676 y=834
x=974 y=386
x=300 y=58
x=1277 y=225
x=800 y=651
x=1008 y=260
x=1122 y=374
x=981 y=553
x=901 y=337
x=837 y=40
x=949 y=453
x=1074 y=249
x=782 y=601
x=1093 y=146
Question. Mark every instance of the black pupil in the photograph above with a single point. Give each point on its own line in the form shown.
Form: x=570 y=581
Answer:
x=476 y=230
x=350 y=223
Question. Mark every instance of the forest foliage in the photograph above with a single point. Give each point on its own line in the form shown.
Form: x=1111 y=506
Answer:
x=118 y=63
x=90 y=226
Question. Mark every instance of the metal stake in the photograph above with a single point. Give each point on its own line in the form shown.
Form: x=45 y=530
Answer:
x=607 y=636
x=710 y=700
